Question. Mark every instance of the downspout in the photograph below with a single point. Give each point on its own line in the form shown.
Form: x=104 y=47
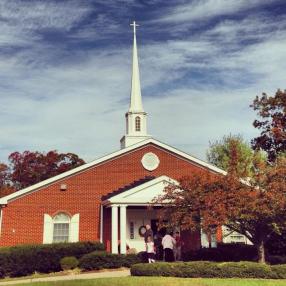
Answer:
x=101 y=223
x=1 y=215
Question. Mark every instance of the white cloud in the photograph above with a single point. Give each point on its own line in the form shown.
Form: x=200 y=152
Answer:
x=21 y=20
x=36 y=15
x=53 y=98
x=203 y=9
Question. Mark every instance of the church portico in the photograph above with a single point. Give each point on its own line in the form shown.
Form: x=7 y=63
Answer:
x=130 y=211
x=126 y=223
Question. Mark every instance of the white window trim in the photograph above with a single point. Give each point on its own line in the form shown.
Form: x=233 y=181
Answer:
x=65 y=221
x=48 y=230
x=74 y=228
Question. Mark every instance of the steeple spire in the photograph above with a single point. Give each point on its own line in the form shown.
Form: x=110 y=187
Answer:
x=135 y=97
x=136 y=118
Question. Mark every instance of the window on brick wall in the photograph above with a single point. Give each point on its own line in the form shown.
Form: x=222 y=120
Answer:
x=61 y=229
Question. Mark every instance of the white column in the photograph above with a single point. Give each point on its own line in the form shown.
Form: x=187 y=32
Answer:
x=114 y=229
x=123 y=229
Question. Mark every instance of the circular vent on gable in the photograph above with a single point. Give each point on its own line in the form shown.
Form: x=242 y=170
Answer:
x=150 y=161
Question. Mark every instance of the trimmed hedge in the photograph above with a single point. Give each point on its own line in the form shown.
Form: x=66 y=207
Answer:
x=280 y=270
x=27 y=259
x=232 y=252
x=206 y=269
x=276 y=259
x=223 y=253
x=276 y=244
x=101 y=259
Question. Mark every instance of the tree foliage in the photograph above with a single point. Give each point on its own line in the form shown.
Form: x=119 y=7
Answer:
x=5 y=186
x=219 y=154
x=255 y=208
x=28 y=168
x=3 y=175
x=272 y=124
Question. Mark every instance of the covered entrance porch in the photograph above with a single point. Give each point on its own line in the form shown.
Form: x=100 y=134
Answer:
x=130 y=212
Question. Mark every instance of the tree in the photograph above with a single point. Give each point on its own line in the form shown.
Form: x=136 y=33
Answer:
x=5 y=185
x=3 y=175
x=272 y=124
x=29 y=168
x=256 y=208
x=219 y=154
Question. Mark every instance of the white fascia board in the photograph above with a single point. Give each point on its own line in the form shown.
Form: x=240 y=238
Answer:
x=6 y=199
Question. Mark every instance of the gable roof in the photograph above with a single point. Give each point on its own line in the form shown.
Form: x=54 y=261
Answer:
x=142 y=194
x=128 y=187
x=38 y=186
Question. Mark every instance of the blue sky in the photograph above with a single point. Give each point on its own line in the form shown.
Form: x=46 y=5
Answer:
x=66 y=67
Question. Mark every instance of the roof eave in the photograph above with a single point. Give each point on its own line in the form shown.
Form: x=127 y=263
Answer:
x=5 y=200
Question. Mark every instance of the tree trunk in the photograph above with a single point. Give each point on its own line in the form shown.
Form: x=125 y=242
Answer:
x=261 y=251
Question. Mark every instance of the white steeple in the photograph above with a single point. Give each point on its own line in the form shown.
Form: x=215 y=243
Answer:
x=136 y=118
x=135 y=98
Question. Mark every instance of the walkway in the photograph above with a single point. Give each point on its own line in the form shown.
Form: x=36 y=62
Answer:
x=103 y=274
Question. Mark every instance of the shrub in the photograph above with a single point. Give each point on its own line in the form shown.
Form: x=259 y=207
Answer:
x=26 y=259
x=276 y=244
x=246 y=269
x=276 y=259
x=143 y=256
x=224 y=252
x=206 y=269
x=69 y=262
x=231 y=252
x=279 y=270
x=2 y=274
x=100 y=260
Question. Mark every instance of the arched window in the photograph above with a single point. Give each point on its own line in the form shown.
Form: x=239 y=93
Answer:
x=137 y=123
x=61 y=229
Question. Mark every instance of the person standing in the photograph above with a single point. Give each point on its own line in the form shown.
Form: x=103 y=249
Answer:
x=158 y=246
x=178 y=247
x=148 y=232
x=169 y=243
x=150 y=249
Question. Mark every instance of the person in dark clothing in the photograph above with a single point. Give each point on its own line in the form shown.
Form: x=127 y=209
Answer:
x=148 y=232
x=158 y=246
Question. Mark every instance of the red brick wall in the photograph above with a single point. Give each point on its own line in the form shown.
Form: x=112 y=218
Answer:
x=22 y=220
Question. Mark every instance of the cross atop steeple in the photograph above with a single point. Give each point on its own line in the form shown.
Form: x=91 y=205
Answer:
x=134 y=26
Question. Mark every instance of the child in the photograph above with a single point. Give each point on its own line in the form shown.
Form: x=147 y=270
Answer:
x=150 y=250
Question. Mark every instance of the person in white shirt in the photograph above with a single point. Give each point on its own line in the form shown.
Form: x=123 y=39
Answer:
x=169 y=243
x=150 y=249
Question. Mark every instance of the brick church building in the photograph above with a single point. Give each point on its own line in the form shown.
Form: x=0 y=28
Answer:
x=107 y=199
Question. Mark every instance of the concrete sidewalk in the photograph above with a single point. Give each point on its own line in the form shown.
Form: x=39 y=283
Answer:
x=94 y=275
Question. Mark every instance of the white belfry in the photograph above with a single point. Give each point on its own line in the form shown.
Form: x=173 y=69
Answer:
x=136 y=118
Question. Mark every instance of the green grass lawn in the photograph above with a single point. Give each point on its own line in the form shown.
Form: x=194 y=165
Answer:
x=162 y=281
